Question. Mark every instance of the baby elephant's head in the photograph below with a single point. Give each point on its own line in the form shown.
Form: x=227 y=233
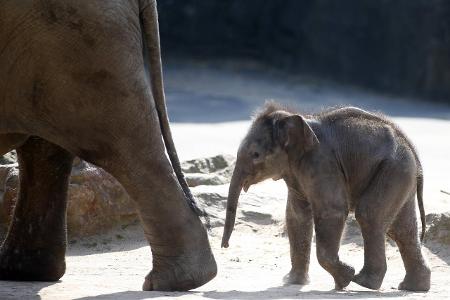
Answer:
x=264 y=153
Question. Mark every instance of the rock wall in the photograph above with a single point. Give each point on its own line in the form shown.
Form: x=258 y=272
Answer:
x=398 y=46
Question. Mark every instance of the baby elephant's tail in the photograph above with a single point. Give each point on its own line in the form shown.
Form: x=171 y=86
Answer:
x=420 y=202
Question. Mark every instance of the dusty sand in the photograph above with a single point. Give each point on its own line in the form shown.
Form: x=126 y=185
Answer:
x=113 y=266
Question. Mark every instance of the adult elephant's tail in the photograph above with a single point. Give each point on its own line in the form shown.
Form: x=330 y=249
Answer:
x=149 y=19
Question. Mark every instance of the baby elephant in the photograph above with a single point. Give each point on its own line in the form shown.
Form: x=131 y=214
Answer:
x=335 y=162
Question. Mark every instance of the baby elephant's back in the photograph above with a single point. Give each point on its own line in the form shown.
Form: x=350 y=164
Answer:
x=367 y=142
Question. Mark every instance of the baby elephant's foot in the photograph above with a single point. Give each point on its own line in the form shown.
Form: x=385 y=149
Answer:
x=418 y=281
x=346 y=275
x=369 y=279
x=295 y=277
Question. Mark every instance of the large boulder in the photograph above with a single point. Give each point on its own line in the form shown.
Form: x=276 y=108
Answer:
x=214 y=170
x=8 y=158
x=438 y=228
x=96 y=201
x=256 y=208
x=208 y=165
x=209 y=178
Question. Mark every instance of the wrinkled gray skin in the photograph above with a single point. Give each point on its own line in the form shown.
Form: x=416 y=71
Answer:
x=73 y=83
x=335 y=162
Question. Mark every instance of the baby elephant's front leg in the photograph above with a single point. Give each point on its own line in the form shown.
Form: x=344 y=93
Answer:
x=299 y=223
x=329 y=225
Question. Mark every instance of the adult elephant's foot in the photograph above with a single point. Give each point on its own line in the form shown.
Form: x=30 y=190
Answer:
x=35 y=245
x=418 y=281
x=369 y=279
x=31 y=264
x=180 y=273
x=296 y=277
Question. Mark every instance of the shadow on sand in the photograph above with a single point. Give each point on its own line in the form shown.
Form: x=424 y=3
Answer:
x=28 y=289
x=440 y=250
x=121 y=238
x=282 y=292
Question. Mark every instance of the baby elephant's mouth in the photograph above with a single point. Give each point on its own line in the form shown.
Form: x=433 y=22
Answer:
x=246 y=185
x=277 y=177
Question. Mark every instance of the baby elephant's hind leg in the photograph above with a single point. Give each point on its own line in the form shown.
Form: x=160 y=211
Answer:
x=376 y=210
x=404 y=232
x=35 y=245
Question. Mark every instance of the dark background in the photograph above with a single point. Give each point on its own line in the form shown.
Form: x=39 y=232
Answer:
x=395 y=46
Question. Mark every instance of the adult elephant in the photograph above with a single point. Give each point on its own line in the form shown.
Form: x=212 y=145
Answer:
x=73 y=83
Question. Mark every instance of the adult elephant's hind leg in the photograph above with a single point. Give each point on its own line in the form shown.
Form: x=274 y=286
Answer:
x=35 y=244
x=182 y=257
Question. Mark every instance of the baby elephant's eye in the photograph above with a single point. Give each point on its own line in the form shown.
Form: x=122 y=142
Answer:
x=255 y=155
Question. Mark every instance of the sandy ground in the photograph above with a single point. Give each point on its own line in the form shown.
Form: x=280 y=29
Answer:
x=113 y=266
x=210 y=105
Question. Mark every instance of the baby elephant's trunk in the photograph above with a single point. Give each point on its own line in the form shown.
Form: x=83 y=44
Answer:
x=233 y=197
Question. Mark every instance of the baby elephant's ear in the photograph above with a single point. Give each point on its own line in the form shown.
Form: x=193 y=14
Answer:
x=293 y=132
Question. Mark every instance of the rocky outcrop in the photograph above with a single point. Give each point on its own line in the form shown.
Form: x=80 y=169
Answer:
x=438 y=228
x=8 y=158
x=96 y=201
x=255 y=209
x=209 y=178
x=215 y=170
